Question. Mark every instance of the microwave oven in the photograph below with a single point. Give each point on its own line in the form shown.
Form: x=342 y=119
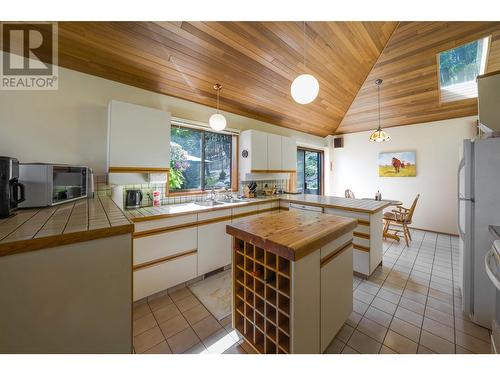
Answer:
x=52 y=184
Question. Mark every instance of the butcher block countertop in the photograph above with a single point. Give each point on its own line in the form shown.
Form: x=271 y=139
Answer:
x=292 y=234
x=77 y=221
x=357 y=205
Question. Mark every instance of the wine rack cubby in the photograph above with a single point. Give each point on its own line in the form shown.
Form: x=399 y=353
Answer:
x=262 y=298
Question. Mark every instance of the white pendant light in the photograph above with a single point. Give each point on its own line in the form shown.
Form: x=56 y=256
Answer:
x=305 y=87
x=379 y=135
x=217 y=121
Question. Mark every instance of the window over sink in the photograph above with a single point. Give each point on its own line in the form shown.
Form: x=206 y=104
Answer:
x=201 y=160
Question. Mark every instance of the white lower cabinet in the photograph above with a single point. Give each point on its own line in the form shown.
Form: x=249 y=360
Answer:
x=164 y=275
x=214 y=246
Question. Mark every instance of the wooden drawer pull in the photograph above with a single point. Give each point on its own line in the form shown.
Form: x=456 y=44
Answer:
x=164 y=259
x=335 y=253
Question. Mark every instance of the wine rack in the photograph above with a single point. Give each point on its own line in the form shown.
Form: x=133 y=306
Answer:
x=262 y=298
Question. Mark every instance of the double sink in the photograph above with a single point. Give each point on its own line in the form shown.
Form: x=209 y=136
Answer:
x=219 y=202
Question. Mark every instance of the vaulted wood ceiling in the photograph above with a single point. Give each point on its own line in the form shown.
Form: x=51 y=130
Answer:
x=257 y=61
x=254 y=61
x=409 y=69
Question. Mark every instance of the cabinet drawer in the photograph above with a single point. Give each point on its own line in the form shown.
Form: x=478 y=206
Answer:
x=161 y=245
x=164 y=275
x=165 y=223
x=245 y=209
x=210 y=215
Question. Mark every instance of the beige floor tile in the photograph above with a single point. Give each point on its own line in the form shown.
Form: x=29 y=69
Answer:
x=405 y=329
x=197 y=313
x=187 y=303
x=387 y=350
x=183 y=341
x=345 y=333
x=235 y=349
x=414 y=296
x=140 y=310
x=159 y=302
x=460 y=350
x=439 y=316
x=354 y=319
x=409 y=316
x=369 y=287
x=444 y=297
x=423 y=350
x=388 y=296
x=439 y=329
x=436 y=343
x=440 y=305
x=335 y=347
x=372 y=329
x=472 y=329
x=378 y=316
x=363 y=343
x=348 y=350
x=206 y=327
x=180 y=294
x=471 y=343
x=161 y=348
x=400 y=343
x=173 y=326
x=148 y=339
x=166 y=313
x=359 y=306
x=412 y=305
x=143 y=324
x=363 y=296
x=384 y=305
x=225 y=321
x=219 y=342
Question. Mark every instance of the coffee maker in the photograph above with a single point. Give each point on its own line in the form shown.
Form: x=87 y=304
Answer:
x=11 y=190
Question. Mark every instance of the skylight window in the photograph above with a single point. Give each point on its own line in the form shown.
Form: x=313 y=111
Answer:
x=458 y=69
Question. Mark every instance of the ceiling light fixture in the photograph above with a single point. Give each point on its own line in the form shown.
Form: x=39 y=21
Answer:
x=379 y=135
x=305 y=87
x=217 y=121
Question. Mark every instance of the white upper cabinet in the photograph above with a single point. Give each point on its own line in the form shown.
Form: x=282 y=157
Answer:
x=264 y=152
x=274 y=152
x=138 y=138
x=288 y=154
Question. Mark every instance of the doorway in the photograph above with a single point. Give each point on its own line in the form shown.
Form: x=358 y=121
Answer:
x=309 y=171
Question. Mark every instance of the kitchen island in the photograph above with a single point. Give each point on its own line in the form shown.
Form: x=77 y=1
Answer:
x=292 y=280
x=367 y=243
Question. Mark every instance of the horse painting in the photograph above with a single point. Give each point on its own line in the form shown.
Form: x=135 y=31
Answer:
x=397 y=164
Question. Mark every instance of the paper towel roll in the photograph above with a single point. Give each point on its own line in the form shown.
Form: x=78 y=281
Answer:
x=117 y=195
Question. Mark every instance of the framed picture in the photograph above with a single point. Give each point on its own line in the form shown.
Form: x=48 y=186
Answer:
x=397 y=164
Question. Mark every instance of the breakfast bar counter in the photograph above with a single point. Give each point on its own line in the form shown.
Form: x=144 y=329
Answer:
x=292 y=280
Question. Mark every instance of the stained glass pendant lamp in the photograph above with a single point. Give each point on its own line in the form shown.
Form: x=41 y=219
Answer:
x=379 y=135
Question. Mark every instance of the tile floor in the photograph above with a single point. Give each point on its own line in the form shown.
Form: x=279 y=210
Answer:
x=409 y=305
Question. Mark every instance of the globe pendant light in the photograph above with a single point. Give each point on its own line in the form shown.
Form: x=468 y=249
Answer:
x=217 y=121
x=379 y=135
x=305 y=87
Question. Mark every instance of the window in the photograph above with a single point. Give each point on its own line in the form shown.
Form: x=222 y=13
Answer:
x=458 y=69
x=309 y=171
x=200 y=159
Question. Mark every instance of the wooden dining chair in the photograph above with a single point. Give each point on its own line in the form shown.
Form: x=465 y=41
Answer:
x=398 y=220
x=349 y=194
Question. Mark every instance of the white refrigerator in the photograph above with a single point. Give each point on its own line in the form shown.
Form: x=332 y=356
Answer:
x=478 y=207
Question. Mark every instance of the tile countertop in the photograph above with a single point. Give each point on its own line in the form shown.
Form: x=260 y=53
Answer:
x=77 y=221
x=495 y=230
x=160 y=212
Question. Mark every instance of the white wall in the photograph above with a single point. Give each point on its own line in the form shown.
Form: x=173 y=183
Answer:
x=69 y=125
x=437 y=146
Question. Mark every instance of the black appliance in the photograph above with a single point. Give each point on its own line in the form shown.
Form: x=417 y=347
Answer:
x=133 y=198
x=11 y=190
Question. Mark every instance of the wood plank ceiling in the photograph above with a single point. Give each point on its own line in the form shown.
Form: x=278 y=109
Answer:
x=408 y=66
x=254 y=61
